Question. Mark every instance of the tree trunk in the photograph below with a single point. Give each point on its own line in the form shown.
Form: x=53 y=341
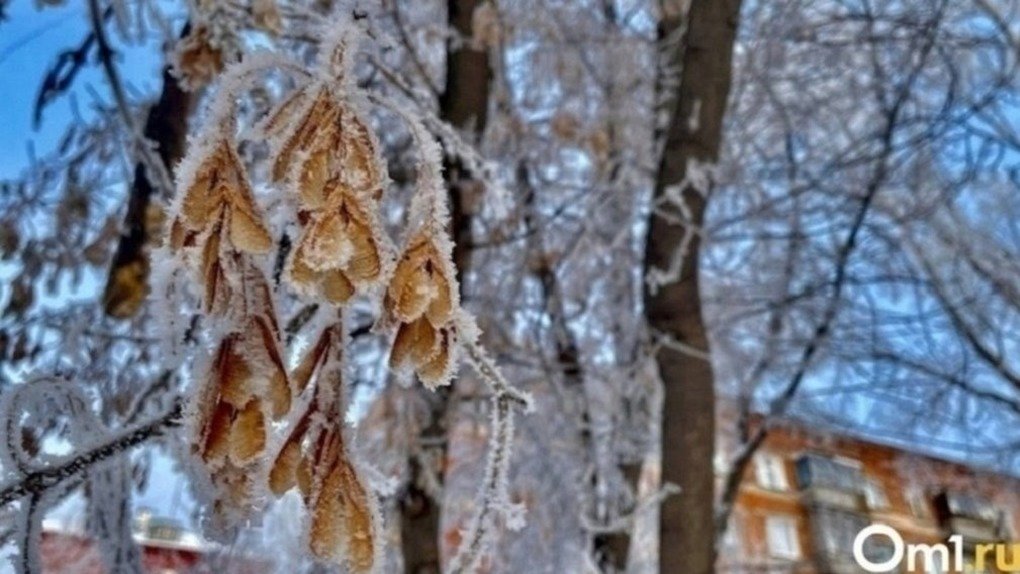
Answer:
x=673 y=308
x=464 y=105
x=167 y=126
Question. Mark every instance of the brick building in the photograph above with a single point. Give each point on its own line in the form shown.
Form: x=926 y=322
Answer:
x=808 y=493
x=164 y=547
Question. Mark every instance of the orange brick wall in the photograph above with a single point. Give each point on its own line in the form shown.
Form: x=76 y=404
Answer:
x=893 y=469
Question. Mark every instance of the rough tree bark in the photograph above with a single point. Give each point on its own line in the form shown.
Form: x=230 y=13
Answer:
x=167 y=126
x=673 y=309
x=464 y=105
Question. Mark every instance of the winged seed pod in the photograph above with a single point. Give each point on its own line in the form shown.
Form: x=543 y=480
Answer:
x=325 y=155
x=420 y=298
x=197 y=59
x=245 y=381
x=216 y=229
x=218 y=218
x=331 y=160
x=344 y=523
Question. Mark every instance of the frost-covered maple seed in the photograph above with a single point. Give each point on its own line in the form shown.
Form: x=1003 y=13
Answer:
x=219 y=218
x=220 y=194
x=342 y=526
x=420 y=297
x=246 y=378
x=344 y=523
x=337 y=249
x=330 y=159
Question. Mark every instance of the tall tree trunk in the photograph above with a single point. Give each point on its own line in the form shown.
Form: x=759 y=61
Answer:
x=166 y=126
x=673 y=307
x=464 y=105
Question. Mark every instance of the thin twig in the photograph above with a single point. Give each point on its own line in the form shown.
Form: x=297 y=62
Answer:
x=155 y=170
x=39 y=481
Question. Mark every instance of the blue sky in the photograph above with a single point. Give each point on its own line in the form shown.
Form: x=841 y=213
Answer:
x=30 y=40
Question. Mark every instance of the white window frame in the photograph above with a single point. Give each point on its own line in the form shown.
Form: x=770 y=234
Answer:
x=781 y=536
x=1006 y=522
x=770 y=471
x=918 y=503
x=875 y=495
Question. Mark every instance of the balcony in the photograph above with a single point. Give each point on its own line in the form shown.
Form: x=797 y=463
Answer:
x=970 y=516
x=832 y=534
x=825 y=482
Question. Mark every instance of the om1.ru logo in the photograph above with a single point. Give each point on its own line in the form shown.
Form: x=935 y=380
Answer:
x=1006 y=556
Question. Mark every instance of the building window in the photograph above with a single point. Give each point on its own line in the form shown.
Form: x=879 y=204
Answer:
x=918 y=504
x=781 y=537
x=875 y=496
x=971 y=506
x=1006 y=524
x=835 y=529
x=817 y=471
x=771 y=472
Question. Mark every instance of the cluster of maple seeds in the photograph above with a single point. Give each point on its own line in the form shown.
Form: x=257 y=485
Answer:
x=314 y=459
x=329 y=159
x=221 y=227
x=421 y=298
x=329 y=156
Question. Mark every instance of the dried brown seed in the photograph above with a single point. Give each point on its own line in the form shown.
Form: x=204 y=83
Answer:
x=248 y=232
x=248 y=433
x=217 y=287
x=434 y=371
x=419 y=284
x=316 y=357
x=322 y=114
x=360 y=168
x=314 y=178
x=266 y=15
x=278 y=384
x=197 y=59
x=416 y=343
x=440 y=309
x=283 y=475
x=216 y=433
x=234 y=377
x=304 y=478
x=337 y=287
x=341 y=527
x=278 y=120
x=324 y=242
